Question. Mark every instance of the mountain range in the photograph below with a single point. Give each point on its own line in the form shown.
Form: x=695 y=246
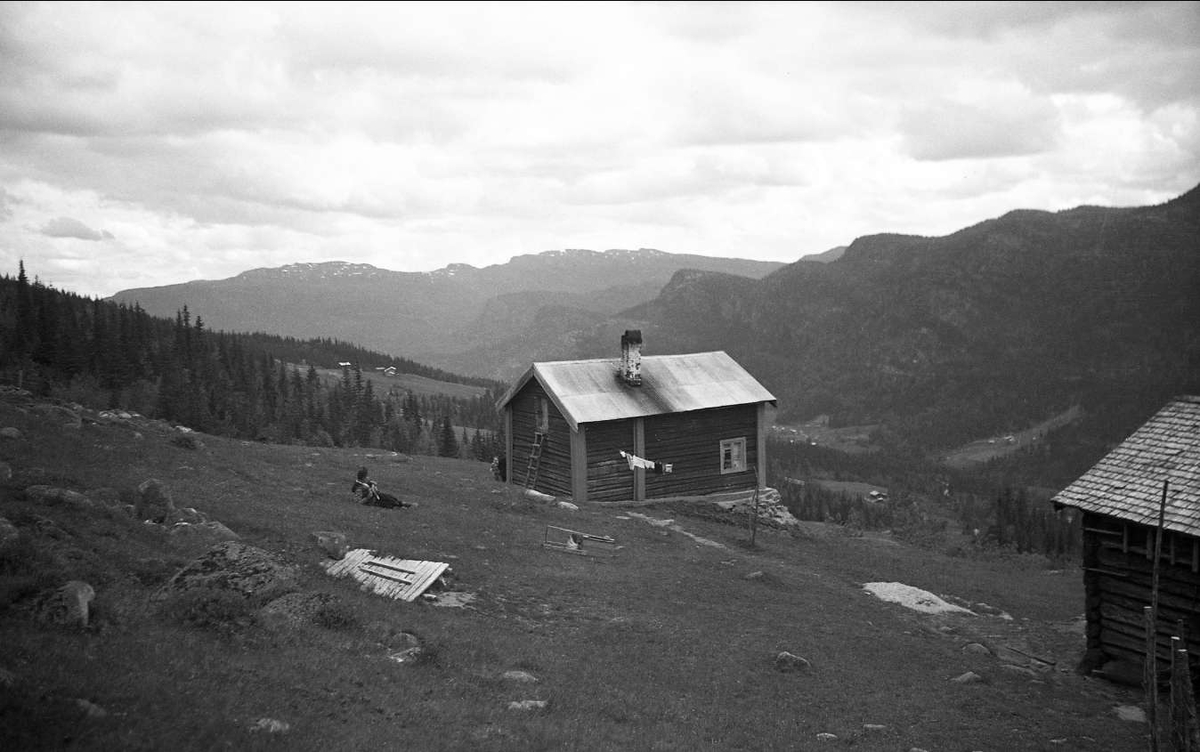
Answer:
x=993 y=327
x=936 y=339
x=432 y=317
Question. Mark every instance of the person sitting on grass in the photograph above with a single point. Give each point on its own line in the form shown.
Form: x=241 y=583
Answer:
x=372 y=496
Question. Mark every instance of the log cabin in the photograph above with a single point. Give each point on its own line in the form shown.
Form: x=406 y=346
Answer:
x=636 y=428
x=1120 y=499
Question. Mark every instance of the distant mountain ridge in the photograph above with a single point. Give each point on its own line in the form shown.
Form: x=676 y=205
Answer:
x=946 y=338
x=427 y=316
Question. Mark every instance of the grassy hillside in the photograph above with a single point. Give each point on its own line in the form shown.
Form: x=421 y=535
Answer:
x=669 y=645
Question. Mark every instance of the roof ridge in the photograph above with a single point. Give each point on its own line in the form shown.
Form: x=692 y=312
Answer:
x=617 y=358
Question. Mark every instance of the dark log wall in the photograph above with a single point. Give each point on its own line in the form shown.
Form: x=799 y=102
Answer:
x=608 y=475
x=554 y=471
x=691 y=442
x=1118 y=575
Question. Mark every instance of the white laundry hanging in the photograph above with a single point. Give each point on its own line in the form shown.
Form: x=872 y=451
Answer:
x=635 y=461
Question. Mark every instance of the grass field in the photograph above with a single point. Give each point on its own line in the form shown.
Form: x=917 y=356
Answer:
x=984 y=450
x=668 y=645
x=381 y=383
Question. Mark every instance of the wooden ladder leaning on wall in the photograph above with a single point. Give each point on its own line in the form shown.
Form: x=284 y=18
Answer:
x=535 y=459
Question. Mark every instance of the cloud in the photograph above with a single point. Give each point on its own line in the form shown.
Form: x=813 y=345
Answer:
x=7 y=202
x=69 y=227
x=942 y=130
x=211 y=138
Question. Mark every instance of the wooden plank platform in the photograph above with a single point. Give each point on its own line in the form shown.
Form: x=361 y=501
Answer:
x=402 y=579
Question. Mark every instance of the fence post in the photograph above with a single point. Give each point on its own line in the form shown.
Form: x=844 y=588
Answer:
x=1150 y=678
x=1177 y=718
x=754 y=513
x=1185 y=731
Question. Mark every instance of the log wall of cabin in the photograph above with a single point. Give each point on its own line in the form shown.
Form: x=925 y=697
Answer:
x=1118 y=564
x=554 y=470
x=691 y=442
x=608 y=475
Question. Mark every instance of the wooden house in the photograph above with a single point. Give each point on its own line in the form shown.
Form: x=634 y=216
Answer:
x=634 y=428
x=1119 y=500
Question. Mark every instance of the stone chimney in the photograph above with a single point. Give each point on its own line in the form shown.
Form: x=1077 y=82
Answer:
x=631 y=357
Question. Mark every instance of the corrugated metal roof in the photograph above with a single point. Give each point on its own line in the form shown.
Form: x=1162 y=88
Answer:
x=586 y=391
x=1128 y=482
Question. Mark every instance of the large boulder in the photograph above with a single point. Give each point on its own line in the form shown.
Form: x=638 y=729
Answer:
x=206 y=532
x=331 y=542
x=251 y=572
x=55 y=496
x=63 y=417
x=69 y=605
x=154 y=501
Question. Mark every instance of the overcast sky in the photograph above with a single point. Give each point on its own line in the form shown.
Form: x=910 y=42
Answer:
x=151 y=143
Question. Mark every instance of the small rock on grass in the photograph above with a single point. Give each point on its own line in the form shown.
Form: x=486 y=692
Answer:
x=1131 y=713
x=519 y=676
x=788 y=663
x=408 y=655
x=269 y=726
x=91 y=709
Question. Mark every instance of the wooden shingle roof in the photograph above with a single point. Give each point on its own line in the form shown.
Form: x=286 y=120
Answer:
x=1127 y=483
x=587 y=391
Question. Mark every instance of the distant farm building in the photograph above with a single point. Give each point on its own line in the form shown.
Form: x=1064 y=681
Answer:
x=1120 y=499
x=634 y=428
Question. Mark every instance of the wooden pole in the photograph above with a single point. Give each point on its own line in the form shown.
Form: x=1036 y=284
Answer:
x=1176 y=717
x=1150 y=678
x=1151 y=615
x=754 y=513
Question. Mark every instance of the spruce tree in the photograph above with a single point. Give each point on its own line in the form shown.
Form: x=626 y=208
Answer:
x=447 y=443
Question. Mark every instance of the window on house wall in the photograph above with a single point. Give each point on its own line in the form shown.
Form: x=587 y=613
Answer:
x=733 y=455
x=543 y=415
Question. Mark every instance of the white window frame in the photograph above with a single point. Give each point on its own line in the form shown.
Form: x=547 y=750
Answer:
x=733 y=450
